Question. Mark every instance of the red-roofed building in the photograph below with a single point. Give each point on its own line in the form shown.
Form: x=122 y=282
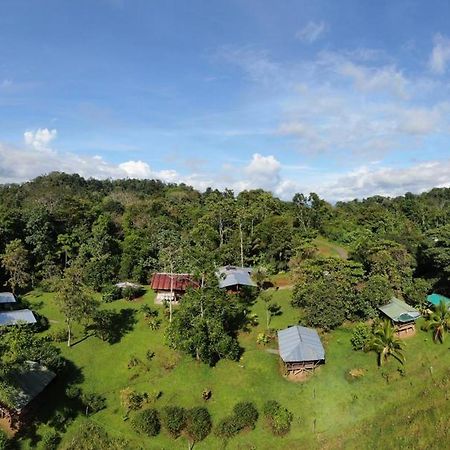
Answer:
x=171 y=286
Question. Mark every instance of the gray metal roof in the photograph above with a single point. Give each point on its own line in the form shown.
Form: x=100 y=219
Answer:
x=127 y=284
x=234 y=276
x=16 y=317
x=30 y=382
x=7 y=297
x=300 y=344
x=399 y=311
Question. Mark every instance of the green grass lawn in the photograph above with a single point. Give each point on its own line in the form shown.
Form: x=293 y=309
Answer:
x=330 y=248
x=330 y=410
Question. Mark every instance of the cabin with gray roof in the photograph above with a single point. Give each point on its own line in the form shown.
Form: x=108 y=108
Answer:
x=16 y=317
x=402 y=315
x=18 y=401
x=300 y=349
x=233 y=278
x=7 y=298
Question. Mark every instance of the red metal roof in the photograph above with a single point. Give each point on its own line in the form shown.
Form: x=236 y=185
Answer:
x=181 y=281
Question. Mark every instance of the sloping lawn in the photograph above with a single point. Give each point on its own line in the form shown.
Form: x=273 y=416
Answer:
x=331 y=409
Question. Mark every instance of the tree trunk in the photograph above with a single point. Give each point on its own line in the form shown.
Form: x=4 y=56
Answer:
x=242 y=244
x=69 y=335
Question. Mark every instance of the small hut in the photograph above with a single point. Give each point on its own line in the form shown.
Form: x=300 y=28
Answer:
x=7 y=298
x=300 y=349
x=171 y=286
x=233 y=278
x=16 y=317
x=402 y=316
x=17 y=404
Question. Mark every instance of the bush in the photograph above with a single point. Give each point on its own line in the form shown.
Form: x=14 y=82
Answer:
x=111 y=293
x=93 y=402
x=173 y=419
x=246 y=414
x=198 y=424
x=130 y=293
x=228 y=427
x=278 y=418
x=147 y=422
x=73 y=392
x=131 y=400
x=262 y=339
x=361 y=336
x=50 y=440
x=58 y=335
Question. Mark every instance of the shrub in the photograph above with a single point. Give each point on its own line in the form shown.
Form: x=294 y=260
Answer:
x=228 y=427
x=50 y=440
x=73 y=392
x=198 y=424
x=361 y=336
x=111 y=293
x=58 y=335
x=147 y=422
x=173 y=419
x=278 y=418
x=93 y=402
x=262 y=339
x=246 y=414
x=131 y=400
x=130 y=293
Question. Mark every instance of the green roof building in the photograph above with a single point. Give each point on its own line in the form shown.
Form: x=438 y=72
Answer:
x=402 y=315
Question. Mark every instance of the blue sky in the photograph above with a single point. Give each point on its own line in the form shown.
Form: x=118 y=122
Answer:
x=347 y=99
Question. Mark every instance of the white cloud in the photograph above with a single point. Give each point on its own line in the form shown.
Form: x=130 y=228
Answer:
x=419 y=121
x=40 y=139
x=440 y=55
x=263 y=171
x=367 y=79
x=311 y=31
x=136 y=169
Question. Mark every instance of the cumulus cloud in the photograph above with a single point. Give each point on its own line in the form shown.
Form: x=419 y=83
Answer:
x=40 y=138
x=440 y=55
x=263 y=171
x=312 y=31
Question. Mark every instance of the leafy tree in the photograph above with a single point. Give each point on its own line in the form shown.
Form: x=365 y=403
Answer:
x=386 y=344
x=93 y=402
x=277 y=417
x=74 y=300
x=361 y=336
x=246 y=414
x=439 y=322
x=205 y=325
x=15 y=262
x=173 y=419
x=147 y=422
x=198 y=425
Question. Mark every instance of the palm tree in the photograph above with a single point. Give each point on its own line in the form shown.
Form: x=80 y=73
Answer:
x=439 y=322
x=386 y=343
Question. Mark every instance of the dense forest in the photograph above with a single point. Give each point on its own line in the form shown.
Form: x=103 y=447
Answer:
x=125 y=229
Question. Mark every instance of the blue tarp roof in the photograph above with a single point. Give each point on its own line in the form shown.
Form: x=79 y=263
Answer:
x=15 y=317
x=7 y=297
x=234 y=276
x=297 y=344
x=435 y=299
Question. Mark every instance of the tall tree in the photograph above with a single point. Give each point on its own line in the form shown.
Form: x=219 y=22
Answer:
x=15 y=262
x=439 y=322
x=74 y=300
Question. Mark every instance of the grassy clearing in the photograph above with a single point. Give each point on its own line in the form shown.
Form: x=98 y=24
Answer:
x=329 y=248
x=332 y=410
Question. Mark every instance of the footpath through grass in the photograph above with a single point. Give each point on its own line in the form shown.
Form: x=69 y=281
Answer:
x=384 y=408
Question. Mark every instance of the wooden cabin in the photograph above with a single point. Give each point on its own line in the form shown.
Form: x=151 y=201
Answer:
x=171 y=286
x=300 y=349
x=28 y=384
x=402 y=315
